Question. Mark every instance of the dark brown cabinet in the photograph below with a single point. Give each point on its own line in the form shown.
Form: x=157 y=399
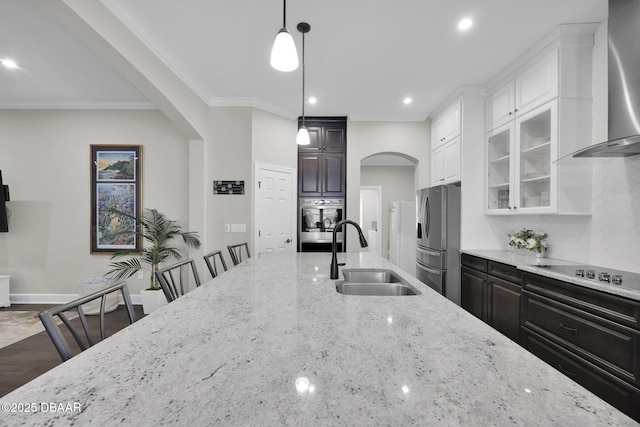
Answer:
x=473 y=290
x=591 y=336
x=491 y=291
x=322 y=163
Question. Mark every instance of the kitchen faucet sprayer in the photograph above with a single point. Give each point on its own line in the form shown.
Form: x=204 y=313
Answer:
x=334 y=246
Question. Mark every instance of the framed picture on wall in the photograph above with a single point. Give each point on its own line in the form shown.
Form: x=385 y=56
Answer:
x=115 y=187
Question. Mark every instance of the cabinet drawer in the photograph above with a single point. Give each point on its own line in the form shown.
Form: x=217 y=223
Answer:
x=616 y=392
x=613 y=347
x=504 y=271
x=612 y=307
x=474 y=262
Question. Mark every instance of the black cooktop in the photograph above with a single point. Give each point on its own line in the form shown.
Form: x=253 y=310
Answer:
x=623 y=279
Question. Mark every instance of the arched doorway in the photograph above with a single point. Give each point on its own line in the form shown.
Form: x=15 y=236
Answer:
x=384 y=178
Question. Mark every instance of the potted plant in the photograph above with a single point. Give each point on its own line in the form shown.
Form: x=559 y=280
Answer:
x=157 y=231
x=528 y=239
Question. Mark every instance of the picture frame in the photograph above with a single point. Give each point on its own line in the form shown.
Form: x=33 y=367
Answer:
x=115 y=184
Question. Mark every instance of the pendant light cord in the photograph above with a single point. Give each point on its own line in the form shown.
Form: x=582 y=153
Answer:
x=303 y=73
x=284 y=14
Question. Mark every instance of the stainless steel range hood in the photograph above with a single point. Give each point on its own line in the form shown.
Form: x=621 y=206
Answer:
x=624 y=83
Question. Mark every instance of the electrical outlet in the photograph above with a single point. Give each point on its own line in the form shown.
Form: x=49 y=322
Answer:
x=140 y=274
x=227 y=228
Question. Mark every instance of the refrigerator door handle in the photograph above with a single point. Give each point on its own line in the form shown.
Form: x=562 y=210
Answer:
x=430 y=270
x=430 y=252
x=428 y=217
x=419 y=231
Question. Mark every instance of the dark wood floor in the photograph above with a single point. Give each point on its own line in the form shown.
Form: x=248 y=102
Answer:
x=25 y=360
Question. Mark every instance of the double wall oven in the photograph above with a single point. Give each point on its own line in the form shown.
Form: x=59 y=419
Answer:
x=316 y=221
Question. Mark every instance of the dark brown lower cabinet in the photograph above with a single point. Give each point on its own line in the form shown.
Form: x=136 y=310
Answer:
x=504 y=303
x=473 y=291
x=616 y=392
x=491 y=291
x=590 y=336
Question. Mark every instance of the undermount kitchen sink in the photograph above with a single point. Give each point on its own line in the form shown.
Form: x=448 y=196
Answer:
x=373 y=282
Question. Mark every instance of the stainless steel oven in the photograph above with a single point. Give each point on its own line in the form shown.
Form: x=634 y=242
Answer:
x=316 y=221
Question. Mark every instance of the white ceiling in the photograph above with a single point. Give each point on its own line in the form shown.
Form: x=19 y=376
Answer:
x=363 y=56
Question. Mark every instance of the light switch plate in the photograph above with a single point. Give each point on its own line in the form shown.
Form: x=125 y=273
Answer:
x=227 y=228
x=238 y=228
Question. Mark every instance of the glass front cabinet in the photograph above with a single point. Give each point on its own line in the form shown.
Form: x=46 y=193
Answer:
x=521 y=174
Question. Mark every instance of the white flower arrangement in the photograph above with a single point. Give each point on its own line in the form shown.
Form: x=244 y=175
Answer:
x=528 y=239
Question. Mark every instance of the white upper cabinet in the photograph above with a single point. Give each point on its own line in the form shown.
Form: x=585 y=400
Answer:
x=533 y=88
x=538 y=85
x=521 y=176
x=446 y=126
x=445 y=162
x=537 y=111
x=445 y=145
x=500 y=107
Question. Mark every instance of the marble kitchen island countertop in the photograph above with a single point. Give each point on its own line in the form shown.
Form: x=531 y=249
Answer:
x=530 y=264
x=230 y=352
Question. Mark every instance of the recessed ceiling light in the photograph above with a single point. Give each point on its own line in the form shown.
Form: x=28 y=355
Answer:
x=407 y=100
x=465 y=24
x=9 y=63
x=313 y=100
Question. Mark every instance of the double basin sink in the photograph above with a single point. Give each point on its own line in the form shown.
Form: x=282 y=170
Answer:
x=373 y=282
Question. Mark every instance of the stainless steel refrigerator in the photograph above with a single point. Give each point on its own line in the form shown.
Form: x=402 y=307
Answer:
x=438 y=238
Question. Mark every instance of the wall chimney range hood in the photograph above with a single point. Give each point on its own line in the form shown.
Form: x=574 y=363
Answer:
x=624 y=83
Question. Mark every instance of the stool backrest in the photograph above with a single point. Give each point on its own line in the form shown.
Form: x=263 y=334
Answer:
x=236 y=252
x=171 y=278
x=210 y=260
x=47 y=318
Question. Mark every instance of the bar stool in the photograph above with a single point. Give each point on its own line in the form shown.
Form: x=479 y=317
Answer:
x=175 y=289
x=236 y=252
x=210 y=260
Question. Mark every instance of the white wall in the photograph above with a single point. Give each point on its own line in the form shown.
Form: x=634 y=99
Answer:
x=364 y=139
x=397 y=184
x=45 y=159
x=229 y=158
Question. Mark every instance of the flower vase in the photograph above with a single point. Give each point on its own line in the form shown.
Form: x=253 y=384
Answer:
x=539 y=254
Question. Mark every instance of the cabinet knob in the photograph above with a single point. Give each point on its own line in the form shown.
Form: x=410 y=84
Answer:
x=510 y=112
x=516 y=110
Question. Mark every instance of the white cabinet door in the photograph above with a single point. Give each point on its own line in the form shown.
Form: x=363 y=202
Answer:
x=446 y=125
x=437 y=132
x=537 y=85
x=535 y=147
x=499 y=107
x=452 y=152
x=499 y=197
x=452 y=122
x=437 y=166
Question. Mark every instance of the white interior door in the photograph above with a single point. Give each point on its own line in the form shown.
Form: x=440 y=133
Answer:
x=275 y=209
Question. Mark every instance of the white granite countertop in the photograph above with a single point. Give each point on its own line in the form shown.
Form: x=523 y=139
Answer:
x=229 y=353
x=528 y=263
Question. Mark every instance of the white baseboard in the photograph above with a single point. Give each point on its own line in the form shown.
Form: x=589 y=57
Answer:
x=58 y=299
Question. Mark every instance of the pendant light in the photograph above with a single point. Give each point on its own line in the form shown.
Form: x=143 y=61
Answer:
x=303 y=133
x=284 y=56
